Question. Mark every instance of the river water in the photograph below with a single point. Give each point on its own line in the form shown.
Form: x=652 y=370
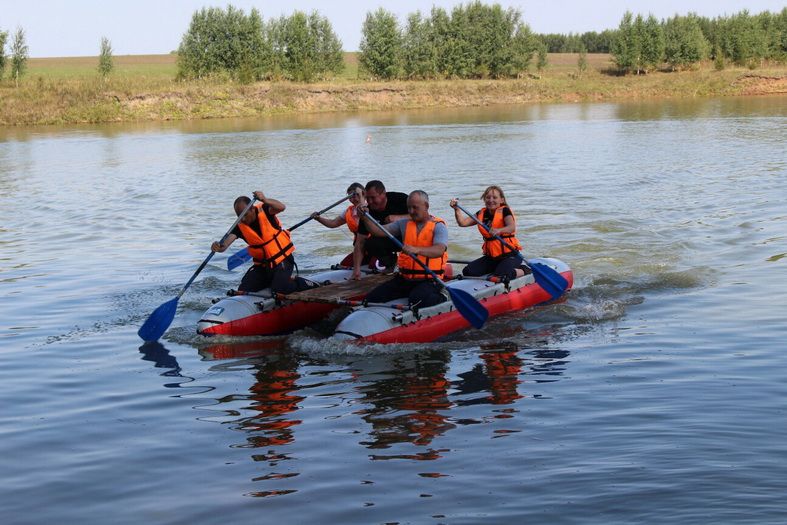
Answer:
x=655 y=394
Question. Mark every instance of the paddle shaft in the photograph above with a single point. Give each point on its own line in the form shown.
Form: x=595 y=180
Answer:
x=497 y=237
x=307 y=219
x=212 y=253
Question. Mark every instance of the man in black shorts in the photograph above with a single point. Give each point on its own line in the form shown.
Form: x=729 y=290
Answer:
x=385 y=207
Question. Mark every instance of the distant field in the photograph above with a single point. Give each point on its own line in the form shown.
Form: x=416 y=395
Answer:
x=165 y=66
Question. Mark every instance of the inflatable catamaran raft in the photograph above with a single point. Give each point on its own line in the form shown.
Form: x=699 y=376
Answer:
x=392 y=322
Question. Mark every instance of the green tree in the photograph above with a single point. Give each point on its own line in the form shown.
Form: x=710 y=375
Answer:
x=300 y=60
x=330 y=57
x=381 y=48
x=3 y=58
x=222 y=41
x=627 y=47
x=743 y=40
x=303 y=47
x=418 y=48
x=19 y=55
x=105 y=64
x=781 y=24
x=492 y=31
x=523 y=46
x=652 y=38
x=274 y=40
x=686 y=44
x=443 y=41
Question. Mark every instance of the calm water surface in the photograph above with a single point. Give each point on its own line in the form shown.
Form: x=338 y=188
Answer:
x=655 y=394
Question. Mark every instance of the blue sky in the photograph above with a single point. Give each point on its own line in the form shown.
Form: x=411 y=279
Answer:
x=75 y=27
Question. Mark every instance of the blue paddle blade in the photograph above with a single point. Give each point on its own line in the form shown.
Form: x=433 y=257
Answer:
x=469 y=307
x=238 y=258
x=551 y=281
x=159 y=321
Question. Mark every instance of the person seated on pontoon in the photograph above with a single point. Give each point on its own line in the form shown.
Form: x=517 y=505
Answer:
x=269 y=245
x=498 y=259
x=423 y=236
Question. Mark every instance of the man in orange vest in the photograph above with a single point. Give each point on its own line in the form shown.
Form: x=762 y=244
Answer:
x=269 y=245
x=423 y=236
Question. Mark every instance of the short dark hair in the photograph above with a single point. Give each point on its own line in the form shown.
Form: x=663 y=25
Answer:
x=376 y=185
x=351 y=188
x=242 y=200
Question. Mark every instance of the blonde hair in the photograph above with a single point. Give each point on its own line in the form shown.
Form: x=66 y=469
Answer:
x=495 y=188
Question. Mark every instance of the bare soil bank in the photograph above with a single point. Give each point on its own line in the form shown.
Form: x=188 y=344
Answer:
x=151 y=97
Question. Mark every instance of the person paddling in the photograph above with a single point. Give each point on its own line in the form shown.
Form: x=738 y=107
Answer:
x=423 y=236
x=269 y=245
x=497 y=259
x=352 y=220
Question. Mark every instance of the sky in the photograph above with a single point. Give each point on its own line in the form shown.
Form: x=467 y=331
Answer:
x=60 y=28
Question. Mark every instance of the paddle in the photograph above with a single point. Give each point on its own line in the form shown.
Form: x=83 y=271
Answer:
x=551 y=281
x=467 y=305
x=241 y=256
x=162 y=317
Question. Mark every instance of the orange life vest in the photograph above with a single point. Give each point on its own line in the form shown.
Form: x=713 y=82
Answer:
x=273 y=246
x=408 y=268
x=492 y=247
x=352 y=219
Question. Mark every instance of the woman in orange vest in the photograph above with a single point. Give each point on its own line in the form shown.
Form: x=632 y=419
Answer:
x=423 y=236
x=498 y=259
x=351 y=219
x=269 y=245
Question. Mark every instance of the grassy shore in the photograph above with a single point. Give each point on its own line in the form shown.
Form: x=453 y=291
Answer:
x=143 y=88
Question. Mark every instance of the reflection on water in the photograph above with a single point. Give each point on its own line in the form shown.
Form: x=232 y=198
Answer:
x=407 y=398
x=409 y=403
x=161 y=358
x=273 y=400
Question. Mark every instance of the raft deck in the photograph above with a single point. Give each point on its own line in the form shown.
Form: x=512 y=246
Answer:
x=343 y=291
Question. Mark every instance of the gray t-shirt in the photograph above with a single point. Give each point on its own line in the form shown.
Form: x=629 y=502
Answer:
x=397 y=228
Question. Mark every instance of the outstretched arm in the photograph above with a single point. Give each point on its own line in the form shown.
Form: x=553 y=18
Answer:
x=329 y=223
x=461 y=219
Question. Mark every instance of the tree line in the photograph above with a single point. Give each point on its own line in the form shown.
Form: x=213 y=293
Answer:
x=243 y=47
x=645 y=44
x=473 y=40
